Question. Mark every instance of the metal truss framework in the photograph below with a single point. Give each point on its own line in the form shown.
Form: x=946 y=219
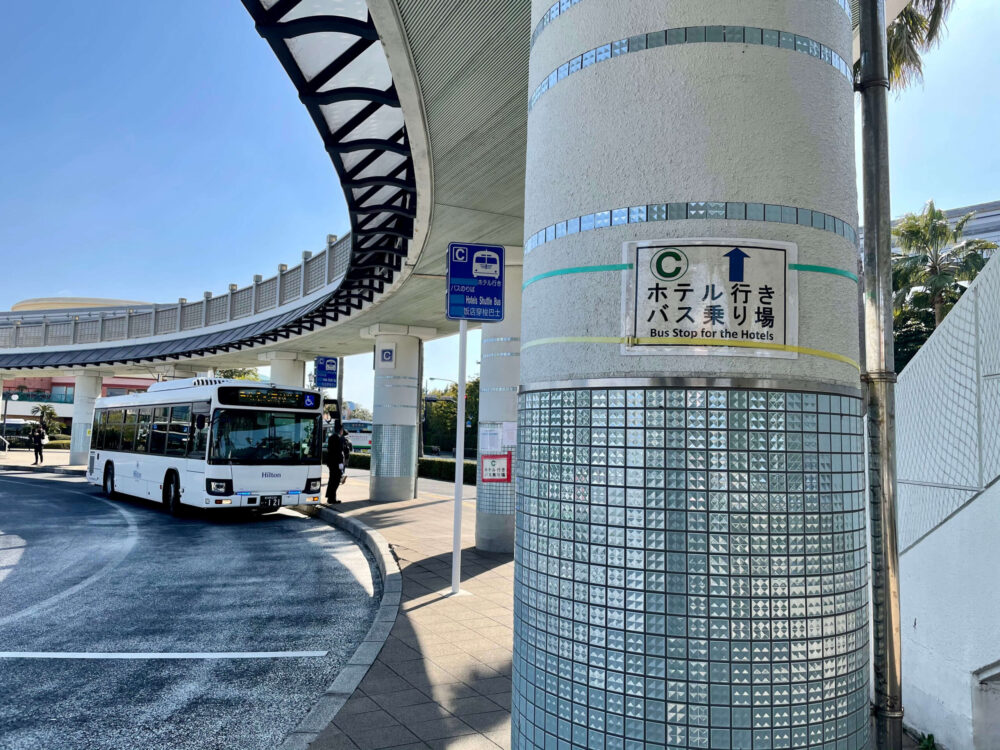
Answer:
x=331 y=51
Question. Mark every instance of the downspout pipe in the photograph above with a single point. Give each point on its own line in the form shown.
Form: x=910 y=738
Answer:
x=879 y=377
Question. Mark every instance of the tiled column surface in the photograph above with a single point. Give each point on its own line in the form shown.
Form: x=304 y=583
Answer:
x=500 y=368
x=690 y=570
x=394 y=427
x=690 y=563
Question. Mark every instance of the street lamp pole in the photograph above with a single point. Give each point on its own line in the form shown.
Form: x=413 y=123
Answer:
x=13 y=397
x=879 y=377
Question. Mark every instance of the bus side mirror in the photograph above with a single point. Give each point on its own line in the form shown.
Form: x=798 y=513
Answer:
x=200 y=421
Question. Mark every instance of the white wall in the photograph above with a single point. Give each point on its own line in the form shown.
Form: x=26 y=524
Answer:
x=950 y=604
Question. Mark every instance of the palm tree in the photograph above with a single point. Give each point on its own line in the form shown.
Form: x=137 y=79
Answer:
x=915 y=30
x=937 y=264
x=46 y=416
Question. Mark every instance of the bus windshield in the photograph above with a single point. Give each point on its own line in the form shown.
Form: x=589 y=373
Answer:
x=241 y=436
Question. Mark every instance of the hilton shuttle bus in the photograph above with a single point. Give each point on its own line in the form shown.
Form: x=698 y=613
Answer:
x=210 y=443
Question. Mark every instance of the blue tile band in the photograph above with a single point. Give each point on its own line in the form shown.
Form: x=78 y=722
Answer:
x=747 y=35
x=692 y=210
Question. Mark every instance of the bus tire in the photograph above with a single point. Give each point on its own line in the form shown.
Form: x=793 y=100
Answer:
x=108 y=480
x=172 y=495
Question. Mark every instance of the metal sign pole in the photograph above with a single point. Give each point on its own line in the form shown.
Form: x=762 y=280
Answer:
x=880 y=377
x=340 y=387
x=456 y=552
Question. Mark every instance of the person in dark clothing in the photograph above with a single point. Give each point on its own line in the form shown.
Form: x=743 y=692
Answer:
x=37 y=438
x=338 y=450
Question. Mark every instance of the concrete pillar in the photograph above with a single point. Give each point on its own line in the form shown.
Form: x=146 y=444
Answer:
x=286 y=368
x=690 y=556
x=86 y=390
x=500 y=374
x=2 y=404
x=395 y=413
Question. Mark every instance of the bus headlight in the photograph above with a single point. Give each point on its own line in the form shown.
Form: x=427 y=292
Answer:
x=313 y=485
x=219 y=486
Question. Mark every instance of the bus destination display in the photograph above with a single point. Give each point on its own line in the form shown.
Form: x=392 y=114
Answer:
x=269 y=397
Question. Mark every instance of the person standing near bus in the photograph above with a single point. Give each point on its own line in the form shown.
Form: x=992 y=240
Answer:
x=38 y=439
x=338 y=451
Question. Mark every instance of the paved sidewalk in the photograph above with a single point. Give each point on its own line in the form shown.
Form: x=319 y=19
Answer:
x=22 y=458
x=442 y=680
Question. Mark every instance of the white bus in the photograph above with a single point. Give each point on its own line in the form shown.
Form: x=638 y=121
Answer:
x=359 y=432
x=210 y=443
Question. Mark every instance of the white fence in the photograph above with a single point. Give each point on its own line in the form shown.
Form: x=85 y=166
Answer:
x=30 y=329
x=948 y=413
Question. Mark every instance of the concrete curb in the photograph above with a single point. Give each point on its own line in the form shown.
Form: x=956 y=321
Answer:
x=326 y=708
x=46 y=469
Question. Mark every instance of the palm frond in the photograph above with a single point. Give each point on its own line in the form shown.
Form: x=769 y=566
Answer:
x=906 y=36
x=935 y=11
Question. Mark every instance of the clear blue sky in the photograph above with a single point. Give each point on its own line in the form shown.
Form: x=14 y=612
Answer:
x=156 y=150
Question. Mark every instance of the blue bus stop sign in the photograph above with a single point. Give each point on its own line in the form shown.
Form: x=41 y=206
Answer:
x=475 y=282
x=326 y=372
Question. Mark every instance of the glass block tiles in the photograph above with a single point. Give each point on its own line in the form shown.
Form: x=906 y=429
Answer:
x=690 y=570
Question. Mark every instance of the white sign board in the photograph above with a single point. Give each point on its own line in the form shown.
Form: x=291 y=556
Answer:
x=495 y=468
x=710 y=296
x=489 y=438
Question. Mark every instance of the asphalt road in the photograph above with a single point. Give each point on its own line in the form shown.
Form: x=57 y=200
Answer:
x=121 y=627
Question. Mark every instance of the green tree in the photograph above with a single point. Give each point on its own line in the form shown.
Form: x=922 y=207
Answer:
x=48 y=418
x=361 y=412
x=937 y=264
x=911 y=327
x=442 y=413
x=238 y=373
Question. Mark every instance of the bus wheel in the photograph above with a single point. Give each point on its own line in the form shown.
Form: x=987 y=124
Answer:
x=108 y=484
x=172 y=495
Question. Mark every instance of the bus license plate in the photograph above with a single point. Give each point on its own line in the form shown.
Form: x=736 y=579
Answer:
x=270 y=501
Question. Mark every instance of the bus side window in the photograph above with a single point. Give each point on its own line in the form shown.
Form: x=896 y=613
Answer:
x=180 y=428
x=199 y=429
x=113 y=430
x=142 y=431
x=158 y=430
x=128 y=430
x=97 y=432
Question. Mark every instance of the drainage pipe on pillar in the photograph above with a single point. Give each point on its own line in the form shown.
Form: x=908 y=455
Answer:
x=880 y=377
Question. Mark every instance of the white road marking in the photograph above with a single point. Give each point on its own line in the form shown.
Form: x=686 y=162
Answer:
x=125 y=548
x=162 y=655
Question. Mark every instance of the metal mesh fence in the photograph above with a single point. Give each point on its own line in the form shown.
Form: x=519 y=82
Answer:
x=947 y=407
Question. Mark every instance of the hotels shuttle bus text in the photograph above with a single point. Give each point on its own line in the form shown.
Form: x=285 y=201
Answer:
x=210 y=443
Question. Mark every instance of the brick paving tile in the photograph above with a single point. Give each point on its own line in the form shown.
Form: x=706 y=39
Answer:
x=418 y=712
x=358 y=704
x=466 y=742
x=383 y=737
x=493 y=685
x=332 y=738
x=447 y=658
x=501 y=699
x=439 y=728
x=446 y=695
x=501 y=739
x=408 y=697
x=478 y=704
x=366 y=720
x=486 y=722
